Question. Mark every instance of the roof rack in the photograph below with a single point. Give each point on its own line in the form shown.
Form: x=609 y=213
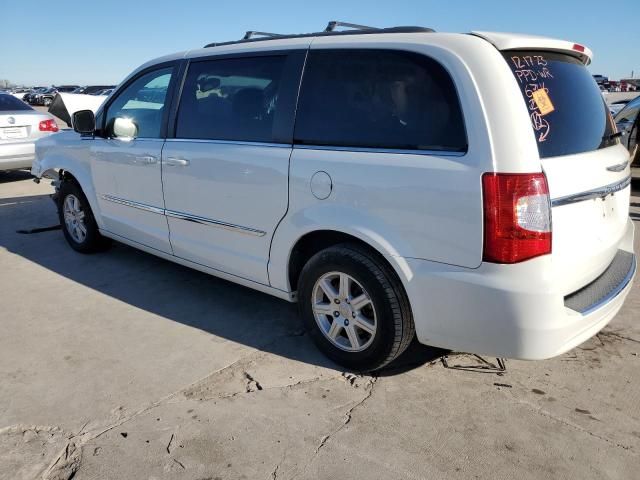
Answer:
x=331 y=26
x=252 y=33
x=330 y=30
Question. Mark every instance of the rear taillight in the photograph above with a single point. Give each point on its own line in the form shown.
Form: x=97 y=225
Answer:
x=48 y=126
x=517 y=217
x=578 y=48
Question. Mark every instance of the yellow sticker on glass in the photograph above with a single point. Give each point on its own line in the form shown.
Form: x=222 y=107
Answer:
x=543 y=102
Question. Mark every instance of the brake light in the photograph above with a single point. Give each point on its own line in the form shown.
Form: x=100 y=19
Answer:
x=578 y=48
x=48 y=126
x=517 y=217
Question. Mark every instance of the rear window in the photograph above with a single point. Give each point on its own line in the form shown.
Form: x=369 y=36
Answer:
x=10 y=103
x=567 y=111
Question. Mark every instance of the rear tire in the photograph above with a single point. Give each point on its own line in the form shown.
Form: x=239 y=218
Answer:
x=355 y=307
x=76 y=218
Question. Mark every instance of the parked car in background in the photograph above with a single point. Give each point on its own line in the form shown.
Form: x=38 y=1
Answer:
x=391 y=181
x=37 y=99
x=20 y=127
x=105 y=92
x=32 y=93
x=628 y=122
x=19 y=93
x=92 y=89
x=47 y=97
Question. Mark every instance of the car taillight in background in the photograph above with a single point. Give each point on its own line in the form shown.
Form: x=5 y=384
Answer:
x=517 y=216
x=48 y=126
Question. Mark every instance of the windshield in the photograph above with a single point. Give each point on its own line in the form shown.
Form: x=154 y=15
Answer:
x=567 y=111
x=9 y=103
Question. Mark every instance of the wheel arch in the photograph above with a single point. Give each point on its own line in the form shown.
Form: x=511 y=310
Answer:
x=311 y=242
x=57 y=167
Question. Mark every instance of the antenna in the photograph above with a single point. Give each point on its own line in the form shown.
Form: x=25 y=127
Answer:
x=331 y=26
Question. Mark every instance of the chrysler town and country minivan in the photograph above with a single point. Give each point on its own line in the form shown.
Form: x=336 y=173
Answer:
x=468 y=189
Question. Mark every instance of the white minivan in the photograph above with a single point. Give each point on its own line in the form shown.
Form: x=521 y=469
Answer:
x=468 y=189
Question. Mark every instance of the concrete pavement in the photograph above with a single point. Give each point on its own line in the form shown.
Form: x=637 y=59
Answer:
x=121 y=365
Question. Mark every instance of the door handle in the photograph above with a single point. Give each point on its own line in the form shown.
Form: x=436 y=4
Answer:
x=145 y=160
x=175 y=162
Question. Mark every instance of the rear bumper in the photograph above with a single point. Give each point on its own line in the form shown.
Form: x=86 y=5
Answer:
x=14 y=156
x=514 y=311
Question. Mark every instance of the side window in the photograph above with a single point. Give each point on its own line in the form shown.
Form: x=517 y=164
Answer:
x=143 y=103
x=378 y=99
x=231 y=99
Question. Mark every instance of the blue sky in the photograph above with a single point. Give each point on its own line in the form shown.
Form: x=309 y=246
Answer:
x=80 y=42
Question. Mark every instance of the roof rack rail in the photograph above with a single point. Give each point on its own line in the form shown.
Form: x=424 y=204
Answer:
x=351 y=29
x=252 y=33
x=333 y=24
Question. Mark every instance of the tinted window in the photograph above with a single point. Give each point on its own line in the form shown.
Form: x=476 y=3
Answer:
x=378 y=99
x=568 y=113
x=233 y=99
x=11 y=103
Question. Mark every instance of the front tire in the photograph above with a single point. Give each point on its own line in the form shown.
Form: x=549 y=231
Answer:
x=76 y=218
x=355 y=307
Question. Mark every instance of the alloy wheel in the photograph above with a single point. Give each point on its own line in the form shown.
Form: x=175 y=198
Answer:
x=74 y=218
x=344 y=311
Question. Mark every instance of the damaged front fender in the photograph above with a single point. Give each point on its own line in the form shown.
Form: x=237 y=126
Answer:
x=66 y=155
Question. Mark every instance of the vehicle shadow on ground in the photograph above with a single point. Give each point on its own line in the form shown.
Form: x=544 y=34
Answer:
x=172 y=291
x=14 y=176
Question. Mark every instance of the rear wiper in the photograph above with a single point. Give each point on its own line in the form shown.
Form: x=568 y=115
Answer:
x=613 y=135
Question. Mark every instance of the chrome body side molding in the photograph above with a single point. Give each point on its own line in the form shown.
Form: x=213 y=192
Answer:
x=185 y=216
x=600 y=192
x=214 y=223
x=132 y=204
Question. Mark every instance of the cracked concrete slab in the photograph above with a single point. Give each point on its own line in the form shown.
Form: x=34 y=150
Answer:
x=121 y=365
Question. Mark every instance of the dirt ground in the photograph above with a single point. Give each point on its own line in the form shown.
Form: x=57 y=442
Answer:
x=124 y=366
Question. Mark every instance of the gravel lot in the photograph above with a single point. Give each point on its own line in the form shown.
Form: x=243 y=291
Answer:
x=124 y=366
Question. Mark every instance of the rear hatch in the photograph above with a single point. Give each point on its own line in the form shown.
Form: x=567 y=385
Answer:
x=585 y=164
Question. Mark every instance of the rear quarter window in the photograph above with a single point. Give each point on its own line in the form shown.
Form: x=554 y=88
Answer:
x=383 y=99
x=566 y=109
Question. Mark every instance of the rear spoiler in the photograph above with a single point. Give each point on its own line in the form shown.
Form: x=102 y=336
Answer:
x=517 y=41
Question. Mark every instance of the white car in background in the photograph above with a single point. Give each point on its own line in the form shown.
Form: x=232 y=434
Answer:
x=20 y=92
x=20 y=127
x=466 y=188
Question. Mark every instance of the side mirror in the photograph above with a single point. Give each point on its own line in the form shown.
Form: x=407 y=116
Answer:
x=84 y=122
x=124 y=128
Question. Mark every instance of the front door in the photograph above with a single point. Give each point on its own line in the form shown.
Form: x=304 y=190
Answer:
x=225 y=174
x=125 y=161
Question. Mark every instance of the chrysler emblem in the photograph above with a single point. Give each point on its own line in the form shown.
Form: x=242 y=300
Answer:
x=11 y=120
